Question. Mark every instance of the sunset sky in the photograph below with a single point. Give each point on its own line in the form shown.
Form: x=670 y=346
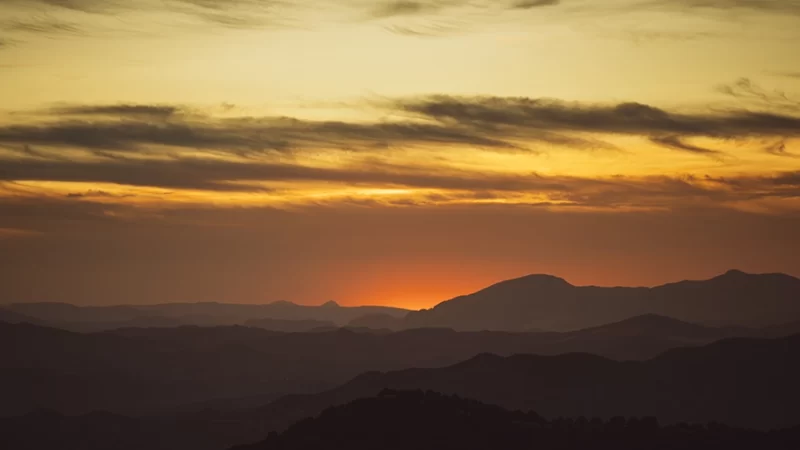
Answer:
x=399 y=152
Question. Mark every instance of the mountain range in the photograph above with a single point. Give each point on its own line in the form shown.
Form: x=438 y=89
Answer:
x=209 y=375
x=142 y=370
x=530 y=303
x=277 y=315
x=550 y=303
x=741 y=382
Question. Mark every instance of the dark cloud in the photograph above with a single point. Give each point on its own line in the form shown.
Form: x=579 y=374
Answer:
x=678 y=143
x=95 y=193
x=131 y=131
x=493 y=123
x=779 y=149
x=280 y=13
x=121 y=110
x=91 y=6
x=42 y=25
x=228 y=13
x=791 y=179
x=404 y=8
x=772 y=6
x=455 y=185
x=188 y=173
x=530 y=4
x=146 y=145
x=435 y=18
x=669 y=128
x=398 y=8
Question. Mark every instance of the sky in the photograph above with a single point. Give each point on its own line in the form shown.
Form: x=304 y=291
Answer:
x=395 y=153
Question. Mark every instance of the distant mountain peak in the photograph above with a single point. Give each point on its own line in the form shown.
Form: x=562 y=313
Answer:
x=330 y=304
x=537 y=279
x=735 y=273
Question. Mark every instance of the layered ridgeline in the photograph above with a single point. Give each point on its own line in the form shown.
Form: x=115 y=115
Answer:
x=280 y=316
x=750 y=383
x=740 y=382
x=549 y=303
x=531 y=303
x=138 y=370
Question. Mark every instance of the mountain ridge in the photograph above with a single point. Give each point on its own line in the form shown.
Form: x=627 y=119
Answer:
x=551 y=303
x=580 y=384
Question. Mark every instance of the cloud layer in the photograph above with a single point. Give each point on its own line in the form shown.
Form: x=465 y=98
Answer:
x=171 y=148
x=427 y=17
x=493 y=123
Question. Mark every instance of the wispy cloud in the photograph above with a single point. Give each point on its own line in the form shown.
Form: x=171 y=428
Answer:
x=41 y=25
x=121 y=110
x=408 y=17
x=244 y=135
x=248 y=14
x=175 y=147
x=779 y=149
x=404 y=8
x=748 y=92
x=440 y=186
x=772 y=6
x=676 y=142
x=526 y=115
x=530 y=4
x=226 y=13
x=499 y=124
x=790 y=74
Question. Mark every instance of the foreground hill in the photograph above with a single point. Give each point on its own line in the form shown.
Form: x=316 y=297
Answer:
x=278 y=314
x=551 y=303
x=400 y=420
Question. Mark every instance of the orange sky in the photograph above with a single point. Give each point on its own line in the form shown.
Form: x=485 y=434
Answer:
x=391 y=152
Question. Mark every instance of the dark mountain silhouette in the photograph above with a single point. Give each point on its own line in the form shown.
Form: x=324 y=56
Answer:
x=534 y=302
x=138 y=370
x=551 y=303
x=427 y=420
x=9 y=316
x=290 y=326
x=392 y=420
x=41 y=430
x=99 y=318
x=739 y=382
x=655 y=326
x=784 y=329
